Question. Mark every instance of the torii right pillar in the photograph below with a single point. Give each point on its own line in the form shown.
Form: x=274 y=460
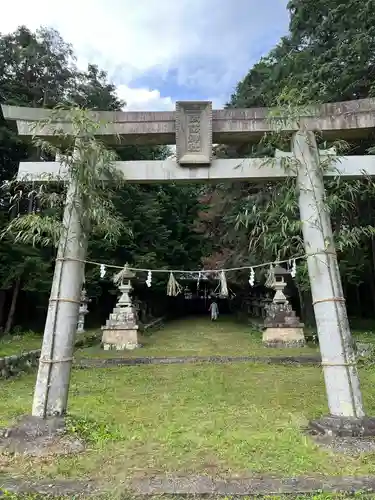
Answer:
x=347 y=415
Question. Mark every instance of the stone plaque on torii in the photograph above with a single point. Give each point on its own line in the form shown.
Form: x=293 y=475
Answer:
x=194 y=127
x=194 y=133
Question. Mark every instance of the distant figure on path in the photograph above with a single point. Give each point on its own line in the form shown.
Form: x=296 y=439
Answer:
x=214 y=308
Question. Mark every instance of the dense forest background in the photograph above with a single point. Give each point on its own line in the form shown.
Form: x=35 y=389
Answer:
x=328 y=55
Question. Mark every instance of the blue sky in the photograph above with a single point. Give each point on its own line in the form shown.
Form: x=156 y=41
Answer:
x=160 y=51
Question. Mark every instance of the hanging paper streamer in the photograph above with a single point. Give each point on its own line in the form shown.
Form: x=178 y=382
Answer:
x=102 y=271
x=149 y=279
x=270 y=278
x=223 y=284
x=293 y=271
x=252 y=277
x=173 y=288
x=129 y=273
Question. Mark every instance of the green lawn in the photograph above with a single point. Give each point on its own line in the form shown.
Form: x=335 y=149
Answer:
x=129 y=496
x=238 y=418
x=230 y=419
x=18 y=344
x=200 y=337
x=191 y=337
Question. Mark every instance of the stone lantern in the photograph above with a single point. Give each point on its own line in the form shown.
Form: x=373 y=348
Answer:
x=279 y=284
x=121 y=329
x=282 y=327
x=188 y=295
x=83 y=311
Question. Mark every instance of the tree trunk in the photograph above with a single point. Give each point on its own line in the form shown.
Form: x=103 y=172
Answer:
x=358 y=300
x=301 y=303
x=12 y=310
x=308 y=310
x=2 y=304
x=373 y=266
x=372 y=288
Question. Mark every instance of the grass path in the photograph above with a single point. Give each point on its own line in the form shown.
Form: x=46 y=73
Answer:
x=200 y=337
x=233 y=419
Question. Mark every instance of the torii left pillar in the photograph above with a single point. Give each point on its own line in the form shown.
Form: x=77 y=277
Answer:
x=52 y=385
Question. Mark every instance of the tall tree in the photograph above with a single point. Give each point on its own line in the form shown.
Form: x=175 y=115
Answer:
x=327 y=56
x=35 y=68
x=91 y=90
x=38 y=69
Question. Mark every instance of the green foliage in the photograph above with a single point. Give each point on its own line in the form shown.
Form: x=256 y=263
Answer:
x=35 y=229
x=151 y=224
x=91 y=90
x=92 y=432
x=35 y=68
x=327 y=56
x=88 y=164
x=19 y=342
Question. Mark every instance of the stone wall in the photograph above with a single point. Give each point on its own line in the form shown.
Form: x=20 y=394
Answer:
x=20 y=363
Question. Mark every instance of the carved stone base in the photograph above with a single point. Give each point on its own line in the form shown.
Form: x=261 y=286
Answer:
x=284 y=336
x=120 y=338
x=282 y=327
x=344 y=426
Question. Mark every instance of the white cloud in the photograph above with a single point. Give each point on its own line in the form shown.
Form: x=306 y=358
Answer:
x=144 y=99
x=209 y=44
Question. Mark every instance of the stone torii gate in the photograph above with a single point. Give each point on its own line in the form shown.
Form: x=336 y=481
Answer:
x=194 y=127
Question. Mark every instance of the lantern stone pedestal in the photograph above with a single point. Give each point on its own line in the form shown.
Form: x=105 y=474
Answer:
x=282 y=327
x=121 y=330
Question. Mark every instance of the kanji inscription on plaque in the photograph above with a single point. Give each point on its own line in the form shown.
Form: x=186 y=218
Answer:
x=194 y=132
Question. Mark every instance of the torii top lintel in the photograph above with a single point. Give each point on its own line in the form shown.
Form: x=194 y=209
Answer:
x=194 y=126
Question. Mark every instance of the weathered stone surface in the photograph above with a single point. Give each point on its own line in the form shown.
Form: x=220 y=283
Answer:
x=49 y=488
x=282 y=327
x=261 y=485
x=281 y=316
x=11 y=366
x=335 y=120
x=344 y=395
x=344 y=426
x=364 y=350
x=190 y=486
x=83 y=311
x=353 y=446
x=15 y=364
x=279 y=360
x=121 y=329
x=120 y=338
x=283 y=337
x=249 y=169
x=194 y=132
